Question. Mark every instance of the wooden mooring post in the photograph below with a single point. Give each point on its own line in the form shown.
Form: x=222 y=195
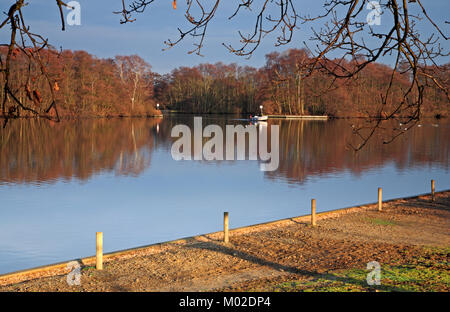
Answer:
x=432 y=191
x=99 y=255
x=380 y=199
x=226 y=237
x=313 y=212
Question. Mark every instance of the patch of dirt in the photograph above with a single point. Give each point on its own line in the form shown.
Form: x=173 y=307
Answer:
x=273 y=253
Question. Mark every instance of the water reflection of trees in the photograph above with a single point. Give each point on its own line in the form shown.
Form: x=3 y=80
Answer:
x=39 y=151
x=309 y=148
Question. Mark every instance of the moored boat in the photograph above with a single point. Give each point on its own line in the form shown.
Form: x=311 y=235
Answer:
x=259 y=118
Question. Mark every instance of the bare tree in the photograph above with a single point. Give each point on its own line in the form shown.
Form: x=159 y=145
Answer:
x=132 y=69
x=24 y=41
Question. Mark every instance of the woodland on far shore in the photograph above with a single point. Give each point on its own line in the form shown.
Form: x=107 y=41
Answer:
x=125 y=86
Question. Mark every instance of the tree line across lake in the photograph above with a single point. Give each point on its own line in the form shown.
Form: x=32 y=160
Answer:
x=125 y=86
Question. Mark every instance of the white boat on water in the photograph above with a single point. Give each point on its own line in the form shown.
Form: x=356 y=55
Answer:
x=258 y=118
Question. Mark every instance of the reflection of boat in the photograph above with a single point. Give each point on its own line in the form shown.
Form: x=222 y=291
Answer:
x=258 y=123
x=258 y=118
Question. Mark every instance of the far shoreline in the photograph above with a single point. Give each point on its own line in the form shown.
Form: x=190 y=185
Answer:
x=165 y=114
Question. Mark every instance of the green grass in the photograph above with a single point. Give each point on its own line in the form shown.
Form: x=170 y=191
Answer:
x=88 y=270
x=428 y=273
x=378 y=221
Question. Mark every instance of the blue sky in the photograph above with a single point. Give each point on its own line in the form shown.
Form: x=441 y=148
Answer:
x=101 y=34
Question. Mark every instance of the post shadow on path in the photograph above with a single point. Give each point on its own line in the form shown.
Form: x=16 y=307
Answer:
x=230 y=251
x=441 y=203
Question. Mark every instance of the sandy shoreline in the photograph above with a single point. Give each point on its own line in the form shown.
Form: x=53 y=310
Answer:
x=261 y=256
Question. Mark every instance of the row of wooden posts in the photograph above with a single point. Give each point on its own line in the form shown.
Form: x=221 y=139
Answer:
x=226 y=235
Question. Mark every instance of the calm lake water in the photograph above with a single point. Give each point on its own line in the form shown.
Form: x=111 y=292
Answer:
x=61 y=183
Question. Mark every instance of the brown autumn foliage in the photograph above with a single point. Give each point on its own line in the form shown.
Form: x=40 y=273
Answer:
x=209 y=88
x=85 y=85
x=125 y=86
x=282 y=86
